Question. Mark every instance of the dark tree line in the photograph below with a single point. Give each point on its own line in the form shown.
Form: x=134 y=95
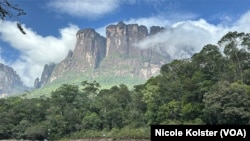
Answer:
x=211 y=87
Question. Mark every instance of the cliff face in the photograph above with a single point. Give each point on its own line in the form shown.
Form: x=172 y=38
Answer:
x=124 y=57
x=89 y=51
x=121 y=39
x=10 y=82
x=116 y=55
x=47 y=70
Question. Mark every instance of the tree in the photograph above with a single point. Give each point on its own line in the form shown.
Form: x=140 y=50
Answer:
x=63 y=106
x=227 y=103
x=236 y=48
x=10 y=10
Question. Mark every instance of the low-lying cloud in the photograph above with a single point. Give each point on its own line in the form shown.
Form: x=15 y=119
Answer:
x=183 y=39
x=35 y=49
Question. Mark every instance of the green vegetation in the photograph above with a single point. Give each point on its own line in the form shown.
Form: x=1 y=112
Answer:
x=106 y=81
x=209 y=88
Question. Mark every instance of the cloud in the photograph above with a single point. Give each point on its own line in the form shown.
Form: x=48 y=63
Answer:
x=90 y=9
x=242 y=25
x=183 y=39
x=36 y=50
x=160 y=20
x=1 y=59
x=148 y=22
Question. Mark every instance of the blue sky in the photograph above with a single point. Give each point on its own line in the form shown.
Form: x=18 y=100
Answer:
x=51 y=26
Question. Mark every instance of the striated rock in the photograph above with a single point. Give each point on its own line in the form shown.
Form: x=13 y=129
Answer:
x=115 y=55
x=10 y=81
x=89 y=51
x=121 y=39
x=47 y=71
x=90 y=48
x=124 y=57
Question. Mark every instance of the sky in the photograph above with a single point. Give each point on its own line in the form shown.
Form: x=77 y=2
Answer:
x=51 y=26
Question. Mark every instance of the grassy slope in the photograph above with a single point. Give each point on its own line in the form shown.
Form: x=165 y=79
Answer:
x=105 y=81
x=104 y=75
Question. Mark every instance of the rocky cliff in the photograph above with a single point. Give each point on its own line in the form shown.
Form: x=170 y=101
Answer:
x=89 y=51
x=124 y=57
x=115 y=55
x=47 y=71
x=10 y=82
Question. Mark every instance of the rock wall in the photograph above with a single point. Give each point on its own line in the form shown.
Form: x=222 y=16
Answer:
x=117 y=54
x=10 y=81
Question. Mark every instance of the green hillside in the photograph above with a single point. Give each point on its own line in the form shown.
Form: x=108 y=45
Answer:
x=106 y=81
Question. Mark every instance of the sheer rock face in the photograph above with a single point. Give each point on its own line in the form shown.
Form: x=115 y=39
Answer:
x=117 y=54
x=47 y=70
x=89 y=51
x=121 y=39
x=10 y=82
x=125 y=56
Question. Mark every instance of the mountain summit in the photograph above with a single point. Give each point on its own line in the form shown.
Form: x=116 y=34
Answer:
x=10 y=82
x=115 y=57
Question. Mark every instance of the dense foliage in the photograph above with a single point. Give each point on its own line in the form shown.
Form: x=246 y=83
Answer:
x=209 y=88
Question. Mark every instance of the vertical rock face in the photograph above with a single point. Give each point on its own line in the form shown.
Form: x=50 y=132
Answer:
x=115 y=55
x=10 y=82
x=125 y=57
x=37 y=83
x=89 y=51
x=47 y=70
x=121 y=39
x=90 y=48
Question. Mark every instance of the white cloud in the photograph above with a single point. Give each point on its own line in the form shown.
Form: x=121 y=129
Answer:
x=36 y=50
x=1 y=59
x=148 y=22
x=183 y=39
x=85 y=8
x=153 y=21
x=242 y=24
x=92 y=9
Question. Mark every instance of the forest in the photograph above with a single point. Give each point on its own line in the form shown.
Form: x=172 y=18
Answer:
x=210 y=88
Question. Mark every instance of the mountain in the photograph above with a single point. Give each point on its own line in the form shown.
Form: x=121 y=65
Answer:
x=10 y=82
x=110 y=60
x=47 y=70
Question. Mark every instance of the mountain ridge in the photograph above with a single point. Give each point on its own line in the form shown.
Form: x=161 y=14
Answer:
x=10 y=81
x=116 y=55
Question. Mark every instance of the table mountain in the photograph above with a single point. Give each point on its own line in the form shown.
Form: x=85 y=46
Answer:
x=109 y=58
